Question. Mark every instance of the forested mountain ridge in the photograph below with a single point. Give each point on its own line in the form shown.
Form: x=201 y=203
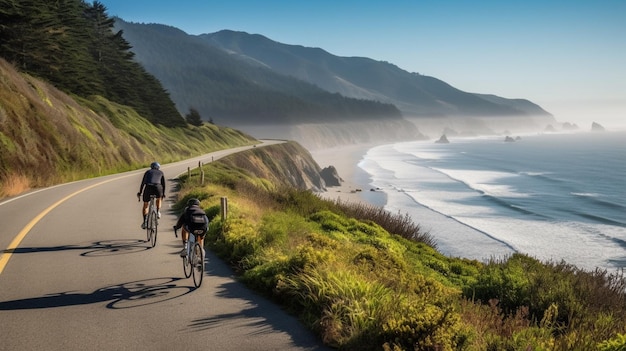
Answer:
x=257 y=100
x=257 y=85
x=414 y=94
x=232 y=92
x=72 y=45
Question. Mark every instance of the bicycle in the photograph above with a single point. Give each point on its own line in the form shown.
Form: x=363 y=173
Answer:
x=193 y=262
x=152 y=222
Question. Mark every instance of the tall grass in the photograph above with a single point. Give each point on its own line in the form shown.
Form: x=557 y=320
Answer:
x=14 y=184
x=402 y=225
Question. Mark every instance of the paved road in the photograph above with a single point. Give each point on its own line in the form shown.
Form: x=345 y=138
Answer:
x=75 y=274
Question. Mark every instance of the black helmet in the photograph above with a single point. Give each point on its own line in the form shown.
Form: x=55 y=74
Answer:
x=193 y=201
x=155 y=165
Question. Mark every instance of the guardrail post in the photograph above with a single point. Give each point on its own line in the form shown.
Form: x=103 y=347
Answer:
x=201 y=175
x=224 y=207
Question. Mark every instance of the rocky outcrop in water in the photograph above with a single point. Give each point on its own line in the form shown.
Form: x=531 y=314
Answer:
x=596 y=127
x=570 y=126
x=443 y=140
x=330 y=176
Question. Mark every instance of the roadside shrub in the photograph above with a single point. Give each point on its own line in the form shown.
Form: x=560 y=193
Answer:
x=212 y=212
x=418 y=325
x=579 y=308
x=329 y=221
x=263 y=274
x=238 y=240
x=618 y=343
x=300 y=202
x=306 y=257
x=507 y=282
x=402 y=225
x=284 y=229
x=342 y=307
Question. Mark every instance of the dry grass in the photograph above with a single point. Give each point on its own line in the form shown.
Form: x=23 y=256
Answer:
x=13 y=184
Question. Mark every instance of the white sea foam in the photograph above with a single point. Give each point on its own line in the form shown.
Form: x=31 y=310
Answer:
x=586 y=194
x=486 y=207
x=534 y=174
x=483 y=181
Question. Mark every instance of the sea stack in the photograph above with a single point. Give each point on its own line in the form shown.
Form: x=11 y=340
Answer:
x=443 y=140
x=596 y=127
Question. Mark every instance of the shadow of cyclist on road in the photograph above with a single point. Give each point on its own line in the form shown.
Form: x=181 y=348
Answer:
x=126 y=295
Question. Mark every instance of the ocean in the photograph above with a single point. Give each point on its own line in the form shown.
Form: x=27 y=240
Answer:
x=556 y=197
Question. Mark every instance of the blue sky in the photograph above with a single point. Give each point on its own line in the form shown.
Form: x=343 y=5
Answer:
x=567 y=56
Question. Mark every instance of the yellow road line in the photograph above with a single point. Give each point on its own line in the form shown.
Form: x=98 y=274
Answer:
x=4 y=258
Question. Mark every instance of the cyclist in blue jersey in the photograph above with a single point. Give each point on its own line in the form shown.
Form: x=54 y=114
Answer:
x=153 y=183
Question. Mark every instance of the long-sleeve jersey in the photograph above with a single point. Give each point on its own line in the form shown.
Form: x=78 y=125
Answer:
x=152 y=177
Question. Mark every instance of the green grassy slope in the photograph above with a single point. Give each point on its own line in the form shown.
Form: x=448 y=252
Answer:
x=48 y=137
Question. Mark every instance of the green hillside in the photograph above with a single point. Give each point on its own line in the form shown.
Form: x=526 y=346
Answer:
x=48 y=137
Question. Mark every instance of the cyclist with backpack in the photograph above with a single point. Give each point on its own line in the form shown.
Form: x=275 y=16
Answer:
x=193 y=220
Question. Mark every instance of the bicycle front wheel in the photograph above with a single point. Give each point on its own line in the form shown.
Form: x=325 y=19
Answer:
x=154 y=225
x=187 y=265
x=197 y=265
x=149 y=227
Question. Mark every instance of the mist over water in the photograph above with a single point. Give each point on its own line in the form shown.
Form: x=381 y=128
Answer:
x=552 y=196
x=610 y=113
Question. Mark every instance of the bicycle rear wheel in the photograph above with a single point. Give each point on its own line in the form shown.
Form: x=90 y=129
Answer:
x=198 y=265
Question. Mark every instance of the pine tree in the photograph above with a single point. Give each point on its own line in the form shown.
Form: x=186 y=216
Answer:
x=193 y=117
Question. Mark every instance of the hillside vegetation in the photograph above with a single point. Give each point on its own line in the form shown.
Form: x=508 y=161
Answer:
x=48 y=137
x=366 y=279
x=74 y=103
x=72 y=45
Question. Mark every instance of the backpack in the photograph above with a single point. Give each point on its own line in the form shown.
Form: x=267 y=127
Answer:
x=198 y=222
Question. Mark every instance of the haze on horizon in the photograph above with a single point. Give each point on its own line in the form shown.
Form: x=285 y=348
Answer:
x=566 y=56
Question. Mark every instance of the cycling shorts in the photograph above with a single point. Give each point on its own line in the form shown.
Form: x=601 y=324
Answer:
x=151 y=189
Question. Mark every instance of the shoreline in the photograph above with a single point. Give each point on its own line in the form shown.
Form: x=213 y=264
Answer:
x=346 y=160
x=355 y=185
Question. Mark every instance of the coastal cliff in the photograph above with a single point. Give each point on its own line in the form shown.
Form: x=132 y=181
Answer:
x=286 y=164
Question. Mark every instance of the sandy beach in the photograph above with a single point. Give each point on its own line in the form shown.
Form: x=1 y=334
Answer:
x=355 y=186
